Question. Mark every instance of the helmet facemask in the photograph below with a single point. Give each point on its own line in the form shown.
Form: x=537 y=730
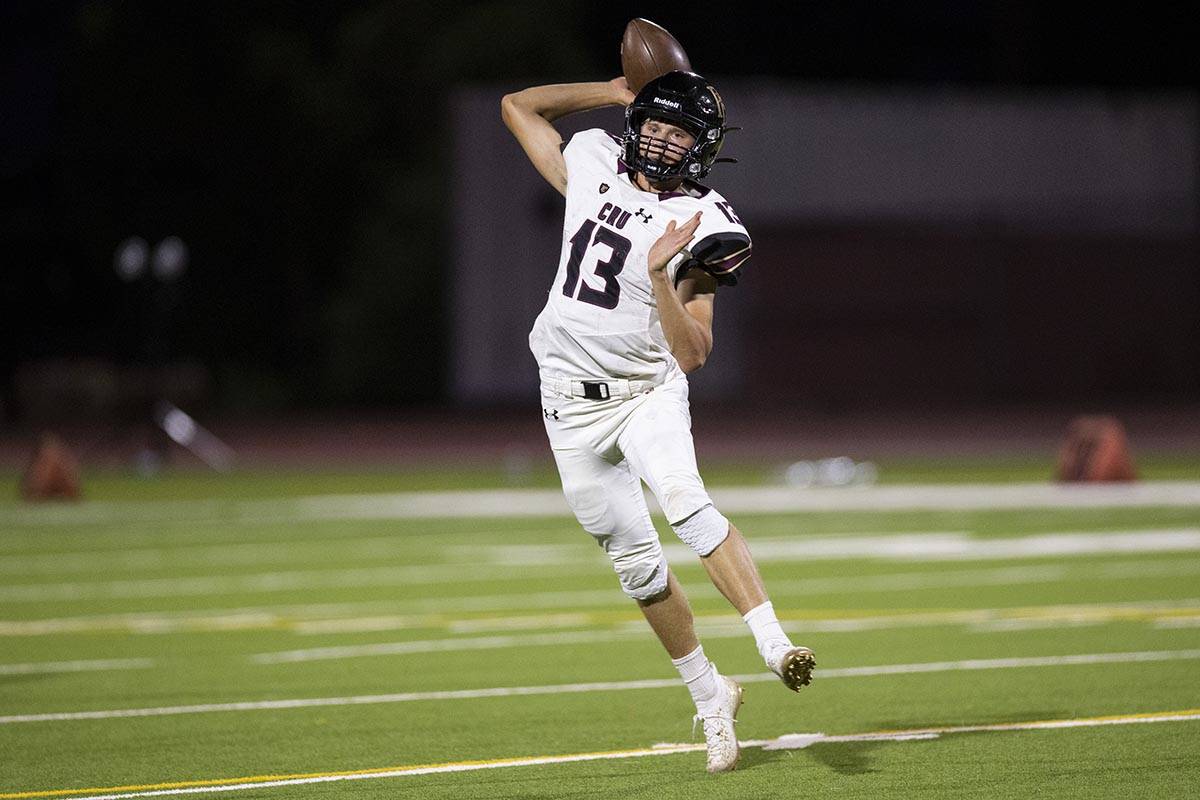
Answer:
x=687 y=101
x=658 y=158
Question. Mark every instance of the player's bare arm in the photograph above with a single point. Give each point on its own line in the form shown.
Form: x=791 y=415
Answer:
x=530 y=112
x=686 y=312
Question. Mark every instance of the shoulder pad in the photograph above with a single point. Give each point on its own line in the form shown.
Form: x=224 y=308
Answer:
x=722 y=255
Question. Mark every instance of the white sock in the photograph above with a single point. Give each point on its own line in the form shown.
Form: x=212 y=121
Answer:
x=768 y=633
x=699 y=674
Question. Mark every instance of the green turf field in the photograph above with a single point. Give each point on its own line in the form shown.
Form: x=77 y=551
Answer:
x=187 y=649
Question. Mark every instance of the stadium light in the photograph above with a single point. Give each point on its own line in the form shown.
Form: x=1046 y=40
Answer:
x=129 y=260
x=170 y=259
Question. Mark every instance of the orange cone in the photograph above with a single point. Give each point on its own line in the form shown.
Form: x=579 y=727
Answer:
x=53 y=473
x=1095 y=449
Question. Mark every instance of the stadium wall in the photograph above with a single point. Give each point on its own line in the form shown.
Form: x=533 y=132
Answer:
x=908 y=244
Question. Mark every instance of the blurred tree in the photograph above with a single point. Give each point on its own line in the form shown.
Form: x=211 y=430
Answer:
x=302 y=152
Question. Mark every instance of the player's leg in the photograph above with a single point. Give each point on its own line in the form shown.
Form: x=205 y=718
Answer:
x=658 y=443
x=733 y=571
x=607 y=500
x=670 y=617
x=717 y=697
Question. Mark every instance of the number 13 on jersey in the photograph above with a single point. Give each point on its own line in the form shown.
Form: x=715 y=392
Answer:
x=591 y=233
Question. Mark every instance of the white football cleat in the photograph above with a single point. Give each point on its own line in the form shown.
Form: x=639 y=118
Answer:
x=718 y=721
x=794 y=666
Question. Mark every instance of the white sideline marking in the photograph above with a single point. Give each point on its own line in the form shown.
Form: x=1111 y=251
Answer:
x=174 y=552
x=432 y=612
x=268 y=582
x=961 y=547
x=996 y=619
x=400 y=622
x=927 y=547
x=1005 y=625
x=227 y=554
x=443 y=646
x=608 y=686
x=900 y=545
x=217 y=619
x=730 y=627
x=498 y=503
x=793 y=741
x=47 y=667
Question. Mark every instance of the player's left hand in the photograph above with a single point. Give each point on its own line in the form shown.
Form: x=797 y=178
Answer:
x=671 y=242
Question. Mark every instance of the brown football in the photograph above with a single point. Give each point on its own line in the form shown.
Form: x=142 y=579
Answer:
x=647 y=51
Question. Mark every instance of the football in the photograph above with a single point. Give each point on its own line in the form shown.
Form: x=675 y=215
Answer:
x=647 y=51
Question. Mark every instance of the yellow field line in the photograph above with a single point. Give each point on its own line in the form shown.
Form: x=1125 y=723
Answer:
x=445 y=765
x=456 y=766
x=1151 y=716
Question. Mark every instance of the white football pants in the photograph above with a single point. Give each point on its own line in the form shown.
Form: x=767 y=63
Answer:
x=604 y=449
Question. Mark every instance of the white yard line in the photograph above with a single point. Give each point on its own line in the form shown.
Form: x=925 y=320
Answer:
x=210 y=585
x=49 y=667
x=729 y=627
x=1190 y=621
x=488 y=624
x=432 y=612
x=174 y=551
x=905 y=547
x=228 y=554
x=609 y=686
x=899 y=546
x=499 y=503
x=444 y=646
x=793 y=741
x=962 y=547
x=217 y=619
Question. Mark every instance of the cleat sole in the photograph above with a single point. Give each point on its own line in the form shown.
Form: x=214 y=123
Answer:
x=797 y=668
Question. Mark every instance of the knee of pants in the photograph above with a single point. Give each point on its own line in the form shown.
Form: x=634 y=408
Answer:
x=680 y=495
x=703 y=531
x=642 y=570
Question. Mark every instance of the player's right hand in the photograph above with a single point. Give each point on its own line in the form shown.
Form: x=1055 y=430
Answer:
x=673 y=240
x=621 y=93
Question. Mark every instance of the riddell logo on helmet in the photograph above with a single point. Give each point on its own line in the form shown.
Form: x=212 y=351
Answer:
x=667 y=103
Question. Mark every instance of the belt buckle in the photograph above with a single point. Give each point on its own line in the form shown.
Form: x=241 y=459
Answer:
x=595 y=390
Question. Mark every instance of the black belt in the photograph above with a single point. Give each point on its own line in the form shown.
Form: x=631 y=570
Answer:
x=596 y=390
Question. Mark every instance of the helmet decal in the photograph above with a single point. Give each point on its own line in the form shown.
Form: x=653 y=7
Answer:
x=717 y=97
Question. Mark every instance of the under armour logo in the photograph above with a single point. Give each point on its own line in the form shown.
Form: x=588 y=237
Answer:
x=550 y=413
x=642 y=215
x=603 y=188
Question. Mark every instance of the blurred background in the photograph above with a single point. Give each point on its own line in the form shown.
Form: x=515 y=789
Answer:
x=304 y=224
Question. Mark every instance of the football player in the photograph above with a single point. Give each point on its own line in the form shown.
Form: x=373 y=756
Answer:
x=629 y=314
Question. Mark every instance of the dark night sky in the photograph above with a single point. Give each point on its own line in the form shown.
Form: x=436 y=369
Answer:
x=935 y=41
x=285 y=142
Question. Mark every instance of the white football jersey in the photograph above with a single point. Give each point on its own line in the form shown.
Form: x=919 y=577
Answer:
x=600 y=319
